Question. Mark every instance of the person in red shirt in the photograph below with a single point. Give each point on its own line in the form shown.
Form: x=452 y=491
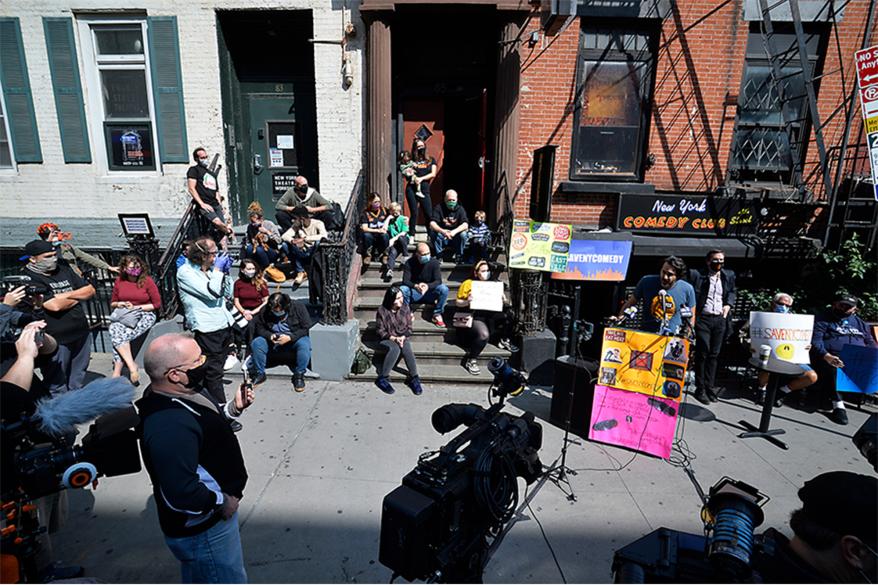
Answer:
x=134 y=302
x=249 y=295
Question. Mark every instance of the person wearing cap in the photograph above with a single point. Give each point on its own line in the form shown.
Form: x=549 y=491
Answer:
x=834 y=534
x=70 y=253
x=833 y=329
x=63 y=292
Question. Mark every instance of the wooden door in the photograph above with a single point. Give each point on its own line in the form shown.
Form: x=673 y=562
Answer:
x=427 y=117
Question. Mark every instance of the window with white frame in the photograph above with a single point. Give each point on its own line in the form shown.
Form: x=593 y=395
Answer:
x=7 y=161
x=120 y=90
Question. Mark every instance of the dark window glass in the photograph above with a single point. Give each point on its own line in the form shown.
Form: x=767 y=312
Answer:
x=614 y=88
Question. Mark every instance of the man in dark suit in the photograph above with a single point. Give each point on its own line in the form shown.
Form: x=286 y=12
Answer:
x=715 y=295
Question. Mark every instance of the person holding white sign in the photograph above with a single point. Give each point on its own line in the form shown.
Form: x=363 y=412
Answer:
x=484 y=323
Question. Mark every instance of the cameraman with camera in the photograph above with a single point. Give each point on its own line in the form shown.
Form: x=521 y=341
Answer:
x=17 y=400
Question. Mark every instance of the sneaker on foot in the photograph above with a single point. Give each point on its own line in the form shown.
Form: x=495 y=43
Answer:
x=300 y=278
x=839 y=416
x=311 y=374
x=388 y=275
x=258 y=379
x=506 y=344
x=384 y=385
x=415 y=385
x=438 y=321
x=231 y=362
x=236 y=426
x=298 y=381
x=472 y=367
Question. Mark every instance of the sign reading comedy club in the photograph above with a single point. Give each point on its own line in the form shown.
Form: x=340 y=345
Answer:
x=671 y=214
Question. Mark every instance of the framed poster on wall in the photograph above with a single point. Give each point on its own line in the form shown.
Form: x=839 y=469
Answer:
x=130 y=146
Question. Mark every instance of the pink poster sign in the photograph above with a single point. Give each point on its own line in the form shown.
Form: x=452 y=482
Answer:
x=633 y=420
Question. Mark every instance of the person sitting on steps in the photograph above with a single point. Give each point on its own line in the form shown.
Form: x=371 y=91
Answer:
x=373 y=231
x=422 y=282
x=394 y=320
x=448 y=227
x=280 y=337
x=301 y=242
x=398 y=229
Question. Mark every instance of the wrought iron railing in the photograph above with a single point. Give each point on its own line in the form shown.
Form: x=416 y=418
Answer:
x=336 y=259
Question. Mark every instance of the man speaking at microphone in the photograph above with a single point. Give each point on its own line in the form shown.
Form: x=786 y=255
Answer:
x=666 y=298
x=194 y=461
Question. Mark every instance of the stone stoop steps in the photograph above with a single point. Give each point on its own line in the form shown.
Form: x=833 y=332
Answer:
x=439 y=351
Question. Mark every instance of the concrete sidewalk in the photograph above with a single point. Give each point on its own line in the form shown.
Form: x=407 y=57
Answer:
x=321 y=462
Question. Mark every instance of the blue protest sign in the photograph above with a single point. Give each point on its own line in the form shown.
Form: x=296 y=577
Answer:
x=860 y=372
x=602 y=260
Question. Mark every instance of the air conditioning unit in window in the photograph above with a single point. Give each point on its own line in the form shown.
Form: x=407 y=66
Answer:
x=556 y=15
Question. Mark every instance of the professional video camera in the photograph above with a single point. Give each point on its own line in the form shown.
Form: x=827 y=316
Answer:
x=436 y=525
x=39 y=457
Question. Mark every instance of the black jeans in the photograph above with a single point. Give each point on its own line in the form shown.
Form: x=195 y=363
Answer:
x=414 y=201
x=486 y=324
x=392 y=357
x=399 y=247
x=215 y=346
x=825 y=388
x=710 y=331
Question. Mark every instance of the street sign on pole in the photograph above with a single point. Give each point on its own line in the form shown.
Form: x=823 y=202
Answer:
x=866 y=62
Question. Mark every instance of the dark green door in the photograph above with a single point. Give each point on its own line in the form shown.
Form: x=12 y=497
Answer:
x=270 y=150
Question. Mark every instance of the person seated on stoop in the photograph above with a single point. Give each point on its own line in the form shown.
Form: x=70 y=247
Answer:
x=398 y=229
x=833 y=329
x=479 y=238
x=422 y=282
x=783 y=303
x=301 y=242
x=448 y=227
x=373 y=231
x=394 y=320
x=280 y=337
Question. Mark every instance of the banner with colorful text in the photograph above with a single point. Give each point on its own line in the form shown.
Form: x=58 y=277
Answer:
x=644 y=362
x=537 y=245
x=633 y=420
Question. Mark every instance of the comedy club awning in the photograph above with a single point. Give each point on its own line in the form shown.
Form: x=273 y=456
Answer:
x=683 y=246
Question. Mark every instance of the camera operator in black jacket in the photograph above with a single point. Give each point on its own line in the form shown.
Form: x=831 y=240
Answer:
x=715 y=295
x=194 y=461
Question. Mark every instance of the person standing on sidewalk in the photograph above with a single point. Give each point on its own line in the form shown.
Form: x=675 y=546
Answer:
x=194 y=461
x=203 y=292
x=715 y=294
x=63 y=291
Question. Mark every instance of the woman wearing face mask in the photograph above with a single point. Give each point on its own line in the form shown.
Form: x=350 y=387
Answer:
x=485 y=323
x=263 y=238
x=137 y=296
x=373 y=231
x=249 y=295
x=417 y=188
x=394 y=320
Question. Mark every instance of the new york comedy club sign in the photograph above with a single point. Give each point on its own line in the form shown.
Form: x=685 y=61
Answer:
x=671 y=214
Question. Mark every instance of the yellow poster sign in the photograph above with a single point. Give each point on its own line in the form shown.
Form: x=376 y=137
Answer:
x=644 y=362
x=871 y=124
x=537 y=245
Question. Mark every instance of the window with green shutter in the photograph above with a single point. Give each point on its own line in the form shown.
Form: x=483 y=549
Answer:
x=64 y=68
x=167 y=87
x=18 y=100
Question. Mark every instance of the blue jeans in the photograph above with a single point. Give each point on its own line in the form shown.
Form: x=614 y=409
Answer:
x=214 y=556
x=260 y=255
x=293 y=355
x=377 y=241
x=457 y=243
x=300 y=256
x=438 y=294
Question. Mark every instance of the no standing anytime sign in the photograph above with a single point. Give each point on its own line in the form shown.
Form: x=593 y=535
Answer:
x=867 y=79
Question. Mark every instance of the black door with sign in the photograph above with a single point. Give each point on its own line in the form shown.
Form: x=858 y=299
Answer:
x=271 y=146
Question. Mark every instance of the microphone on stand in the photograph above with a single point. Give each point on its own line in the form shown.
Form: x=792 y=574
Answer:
x=665 y=302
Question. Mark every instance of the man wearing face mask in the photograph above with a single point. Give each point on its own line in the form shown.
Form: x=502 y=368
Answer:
x=782 y=303
x=833 y=329
x=63 y=313
x=204 y=189
x=715 y=297
x=422 y=282
x=301 y=195
x=448 y=226
x=280 y=337
x=194 y=461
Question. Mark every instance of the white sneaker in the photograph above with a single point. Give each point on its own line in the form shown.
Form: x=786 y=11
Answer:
x=231 y=362
x=311 y=374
